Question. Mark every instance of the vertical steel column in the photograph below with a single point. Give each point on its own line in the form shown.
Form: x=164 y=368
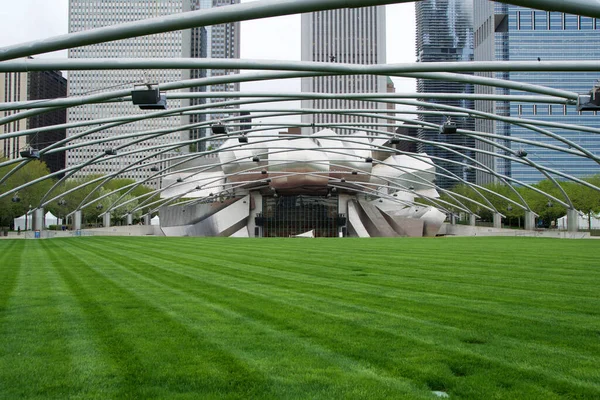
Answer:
x=472 y=219
x=529 y=223
x=106 y=219
x=497 y=220
x=572 y=220
x=77 y=220
x=37 y=221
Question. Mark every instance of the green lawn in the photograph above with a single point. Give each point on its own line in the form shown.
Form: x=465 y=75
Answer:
x=477 y=318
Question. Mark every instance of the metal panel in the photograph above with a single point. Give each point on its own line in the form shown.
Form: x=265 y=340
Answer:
x=225 y=222
x=433 y=219
x=355 y=225
x=374 y=221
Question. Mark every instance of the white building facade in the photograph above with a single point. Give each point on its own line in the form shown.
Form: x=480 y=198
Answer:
x=90 y=14
x=348 y=35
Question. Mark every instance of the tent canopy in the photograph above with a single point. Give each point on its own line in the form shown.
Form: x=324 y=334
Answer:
x=20 y=222
x=49 y=219
x=583 y=222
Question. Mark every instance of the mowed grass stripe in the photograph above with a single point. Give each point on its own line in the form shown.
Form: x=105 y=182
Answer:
x=215 y=246
x=273 y=263
x=223 y=325
x=456 y=300
x=536 y=349
x=540 y=328
x=34 y=356
x=155 y=356
x=91 y=368
x=10 y=263
x=564 y=303
x=527 y=287
x=327 y=331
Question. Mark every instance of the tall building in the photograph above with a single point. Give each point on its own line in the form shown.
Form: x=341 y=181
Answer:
x=445 y=34
x=513 y=33
x=348 y=35
x=197 y=42
x=216 y=41
x=13 y=87
x=34 y=85
x=48 y=85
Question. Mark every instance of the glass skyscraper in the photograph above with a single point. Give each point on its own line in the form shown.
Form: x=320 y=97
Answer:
x=445 y=33
x=506 y=32
x=216 y=41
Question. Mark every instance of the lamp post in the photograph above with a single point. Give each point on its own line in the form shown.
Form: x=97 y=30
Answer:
x=26 y=215
x=98 y=207
x=61 y=203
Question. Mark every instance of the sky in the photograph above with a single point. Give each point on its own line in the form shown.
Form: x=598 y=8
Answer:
x=273 y=38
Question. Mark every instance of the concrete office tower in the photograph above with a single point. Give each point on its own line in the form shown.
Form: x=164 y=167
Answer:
x=445 y=34
x=512 y=33
x=216 y=41
x=348 y=35
x=198 y=42
x=35 y=85
x=13 y=87
x=86 y=14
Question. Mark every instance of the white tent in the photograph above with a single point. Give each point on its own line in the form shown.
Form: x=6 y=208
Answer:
x=51 y=219
x=20 y=222
x=155 y=220
x=582 y=222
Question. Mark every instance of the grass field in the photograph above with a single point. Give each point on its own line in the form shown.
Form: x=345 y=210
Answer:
x=477 y=318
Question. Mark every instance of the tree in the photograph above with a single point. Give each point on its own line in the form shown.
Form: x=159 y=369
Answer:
x=585 y=199
x=141 y=192
x=119 y=211
x=28 y=197
x=504 y=206
x=67 y=203
x=547 y=209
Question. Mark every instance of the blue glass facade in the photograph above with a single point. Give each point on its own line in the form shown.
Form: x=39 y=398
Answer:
x=445 y=33
x=549 y=36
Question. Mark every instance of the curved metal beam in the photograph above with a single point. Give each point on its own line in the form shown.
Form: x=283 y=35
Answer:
x=459 y=163
x=62 y=102
x=187 y=20
x=97 y=64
